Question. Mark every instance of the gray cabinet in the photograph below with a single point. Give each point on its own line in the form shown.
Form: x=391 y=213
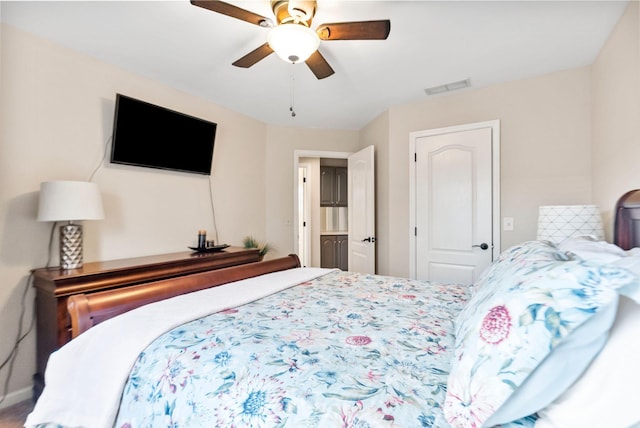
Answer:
x=334 y=251
x=333 y=186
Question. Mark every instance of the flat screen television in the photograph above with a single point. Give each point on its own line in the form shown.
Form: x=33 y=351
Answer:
x=151 y=136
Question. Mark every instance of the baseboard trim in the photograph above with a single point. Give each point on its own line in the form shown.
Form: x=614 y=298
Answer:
x=16 y=396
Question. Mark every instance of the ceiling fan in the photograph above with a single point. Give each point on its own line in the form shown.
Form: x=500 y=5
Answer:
x=292 y=38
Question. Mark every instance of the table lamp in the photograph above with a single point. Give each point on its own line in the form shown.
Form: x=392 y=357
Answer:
x=70 y=201
x=558 y=222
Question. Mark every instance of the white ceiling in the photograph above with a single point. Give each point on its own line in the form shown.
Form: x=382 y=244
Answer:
x=431 y=43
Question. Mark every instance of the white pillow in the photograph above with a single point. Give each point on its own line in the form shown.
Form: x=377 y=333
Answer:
x=631 y=262
x=587 y=248
x=607 y=393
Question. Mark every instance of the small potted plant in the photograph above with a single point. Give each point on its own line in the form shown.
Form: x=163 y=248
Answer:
x=251 y=242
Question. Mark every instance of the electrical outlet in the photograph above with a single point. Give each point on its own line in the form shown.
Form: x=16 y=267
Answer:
x=507 y=223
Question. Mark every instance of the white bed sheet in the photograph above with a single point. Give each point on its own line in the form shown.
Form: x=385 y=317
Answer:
x=109 y=361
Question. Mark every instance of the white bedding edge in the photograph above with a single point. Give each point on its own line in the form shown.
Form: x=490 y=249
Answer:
x=84 y=379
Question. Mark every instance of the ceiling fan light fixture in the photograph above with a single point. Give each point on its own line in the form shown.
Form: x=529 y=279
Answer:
x=293 y=42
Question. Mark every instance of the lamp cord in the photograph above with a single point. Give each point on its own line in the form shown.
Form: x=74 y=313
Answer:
x=213 y=212
x=53 y=228
x=11 y=358
x=104 y=156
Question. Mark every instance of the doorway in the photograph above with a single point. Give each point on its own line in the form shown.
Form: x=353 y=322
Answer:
x=360 y=204
x=307 y=233
x=455 y=202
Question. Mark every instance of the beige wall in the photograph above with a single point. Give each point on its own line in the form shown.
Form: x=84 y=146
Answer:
x=57 y=115
x=281 y=143
x=616 y=115
x=545 y=149
x=566 y=138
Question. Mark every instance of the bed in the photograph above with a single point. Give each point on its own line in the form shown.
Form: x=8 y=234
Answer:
x=546 y=338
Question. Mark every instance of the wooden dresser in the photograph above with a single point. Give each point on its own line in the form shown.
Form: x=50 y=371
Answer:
x=54 y=286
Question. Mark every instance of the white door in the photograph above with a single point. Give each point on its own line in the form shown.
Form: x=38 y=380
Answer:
x=455 y=203
x=361 y=202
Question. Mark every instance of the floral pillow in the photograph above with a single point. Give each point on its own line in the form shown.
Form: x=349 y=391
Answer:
x=515 y=258
x=537 y=320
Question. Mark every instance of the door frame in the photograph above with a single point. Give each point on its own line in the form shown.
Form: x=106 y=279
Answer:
x=495 y=185
x=304 y=238
x=297 y=154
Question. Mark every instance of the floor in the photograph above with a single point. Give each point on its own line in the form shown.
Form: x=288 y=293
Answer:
x=14 y=416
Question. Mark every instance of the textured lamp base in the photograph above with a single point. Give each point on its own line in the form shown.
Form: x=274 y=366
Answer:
x=70 y=246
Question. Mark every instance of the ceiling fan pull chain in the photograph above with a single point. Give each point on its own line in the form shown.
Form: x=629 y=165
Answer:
x=292 y=89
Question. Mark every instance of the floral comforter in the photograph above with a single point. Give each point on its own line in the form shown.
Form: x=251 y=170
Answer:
x=342 y=350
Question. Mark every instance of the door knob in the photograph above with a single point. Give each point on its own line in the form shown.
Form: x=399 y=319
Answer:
x=369 y=239
x=482 y=246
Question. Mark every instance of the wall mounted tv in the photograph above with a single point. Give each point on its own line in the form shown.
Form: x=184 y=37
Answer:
x=151 y=136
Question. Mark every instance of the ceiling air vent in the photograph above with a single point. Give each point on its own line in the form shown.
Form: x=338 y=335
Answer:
x=452 y=86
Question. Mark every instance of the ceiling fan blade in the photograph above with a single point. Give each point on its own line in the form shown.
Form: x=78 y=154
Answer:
x=319 y=66
x=254 y=56
x=361 y=30
x=232 y=11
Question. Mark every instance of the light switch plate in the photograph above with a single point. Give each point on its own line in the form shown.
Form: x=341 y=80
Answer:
x=507 y=223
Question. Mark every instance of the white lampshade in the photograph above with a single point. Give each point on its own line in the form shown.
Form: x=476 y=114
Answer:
x=69 y=200
x=558 y=222
x=293 y=42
